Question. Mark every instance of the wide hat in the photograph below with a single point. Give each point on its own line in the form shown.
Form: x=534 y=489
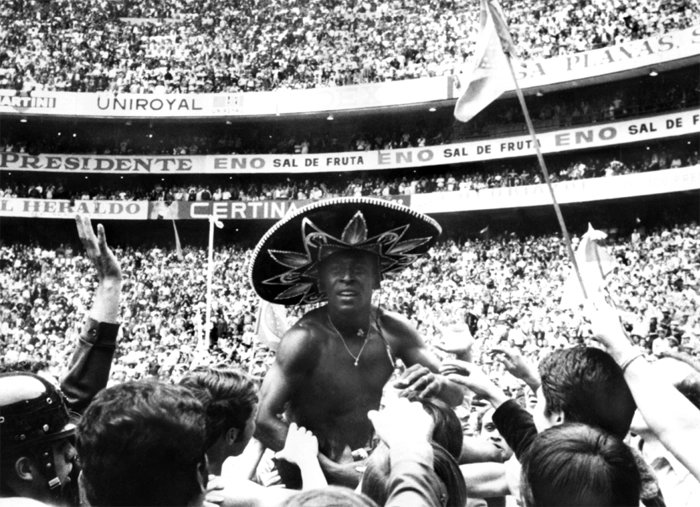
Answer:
x=284 y=268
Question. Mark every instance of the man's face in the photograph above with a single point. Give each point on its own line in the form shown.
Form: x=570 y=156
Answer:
x=490 y=433
x=348 y=279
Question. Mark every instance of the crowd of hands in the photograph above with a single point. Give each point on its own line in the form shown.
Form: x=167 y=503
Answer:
x=181 y=47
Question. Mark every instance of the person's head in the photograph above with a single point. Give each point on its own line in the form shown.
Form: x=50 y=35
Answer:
x=36 y=435
x=375 y=480
x=143 y=443
x=330 y=496
x=348 y=277
x=586 y=385
x=577 y=465
x=447 y=429
x=230 y=399
x=487 y=430
x=286 y=263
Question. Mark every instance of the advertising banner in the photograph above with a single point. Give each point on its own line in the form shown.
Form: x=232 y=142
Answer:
x=576 y=191
x=50 y=208
x=593 y=136
x=239 y=210
x=613 y=59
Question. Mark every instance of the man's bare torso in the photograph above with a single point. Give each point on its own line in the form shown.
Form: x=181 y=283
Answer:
x=336 y=395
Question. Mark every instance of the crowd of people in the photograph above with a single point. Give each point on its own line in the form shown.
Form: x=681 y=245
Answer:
x=180 y=47
x=497 y=304
x=302 y=187
x=392 y=368
x=675 y=90
x=512 y=285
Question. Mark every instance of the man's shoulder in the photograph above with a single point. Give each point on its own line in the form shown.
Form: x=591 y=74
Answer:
x=393 y=321
x=311 y=324
x=398 y=331
x=305 y=335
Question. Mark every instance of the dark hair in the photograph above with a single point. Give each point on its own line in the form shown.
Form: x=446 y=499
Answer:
x=330 y=496
x=690 y=388
x=375 y=481
x=588 y=386
x=229 y=397
x=141 y=443
x=448 y=428
x=574 y=464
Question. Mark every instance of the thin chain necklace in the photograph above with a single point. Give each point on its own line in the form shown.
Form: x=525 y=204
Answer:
x=360 y=332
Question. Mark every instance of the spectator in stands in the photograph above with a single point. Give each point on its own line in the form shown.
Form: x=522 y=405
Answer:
x=218 y=47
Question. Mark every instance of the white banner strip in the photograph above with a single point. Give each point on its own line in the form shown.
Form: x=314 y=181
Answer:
x=585 y=190
x=597 y=135
x=48 y=208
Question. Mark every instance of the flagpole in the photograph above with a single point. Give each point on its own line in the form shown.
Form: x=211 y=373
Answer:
x=210 y=272
x=178 y=246
x=543 y=166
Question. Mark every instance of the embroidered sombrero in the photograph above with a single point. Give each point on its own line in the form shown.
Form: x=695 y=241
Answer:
x=284 y=268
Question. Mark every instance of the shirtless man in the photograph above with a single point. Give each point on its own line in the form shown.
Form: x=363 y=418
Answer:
x=333 y=364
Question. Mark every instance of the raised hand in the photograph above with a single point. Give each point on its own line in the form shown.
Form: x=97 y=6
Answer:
x=105 y=306
x=300 y=445
x=97 y=249
x=517 y=366
x=402 y=422
x=420 y=380
x=472 y=377
x=456 y=339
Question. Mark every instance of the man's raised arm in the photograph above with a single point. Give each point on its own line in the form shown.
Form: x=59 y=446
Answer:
x=90 y=364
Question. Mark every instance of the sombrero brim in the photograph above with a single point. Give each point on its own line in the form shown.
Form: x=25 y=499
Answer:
x=284 y=264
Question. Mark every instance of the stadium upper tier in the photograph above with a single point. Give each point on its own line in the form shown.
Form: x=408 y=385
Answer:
x=371 y=130
x=231 y=47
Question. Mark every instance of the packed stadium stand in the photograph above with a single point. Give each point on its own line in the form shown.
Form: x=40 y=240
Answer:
x=149 y=115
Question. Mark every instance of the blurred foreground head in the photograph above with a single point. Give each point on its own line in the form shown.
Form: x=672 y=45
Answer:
x=576 y=465
x=142 y=443
x=585 y=385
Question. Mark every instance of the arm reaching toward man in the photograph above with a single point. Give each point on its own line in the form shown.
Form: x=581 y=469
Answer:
x=671 y=416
